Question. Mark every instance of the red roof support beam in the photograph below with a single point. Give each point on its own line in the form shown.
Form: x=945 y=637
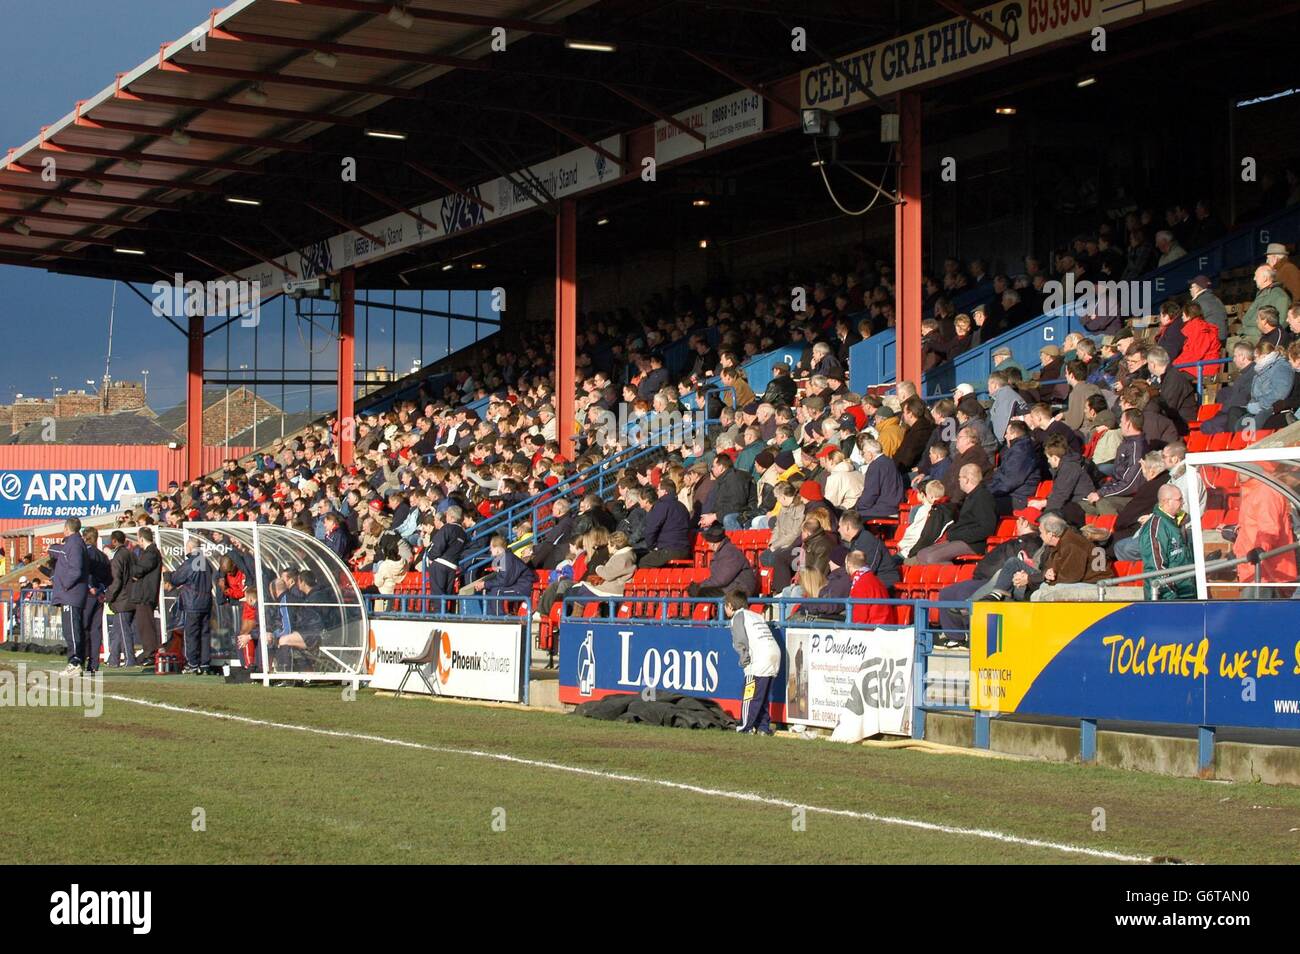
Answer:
x=196 y=135
x=580 y=139
x=350 y=49
x=653 y=111
x=78 y=175
x=448 y=184
x=739 y=80
x=282 y=79
x=435 y=16
x=994 y=31
x=259 y=256
x=124 y=156
x=566 y=322
x=80 y=219
x=907 y=241
x=347 y=431
x=344 y=223
x=84 y=197
x=396 y=206
x=221 y=106
x=194 y=400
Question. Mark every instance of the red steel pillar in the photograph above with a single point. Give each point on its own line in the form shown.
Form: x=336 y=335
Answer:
x=347 y=431
x=907 y=242
x=194 y=401
x=566 y=321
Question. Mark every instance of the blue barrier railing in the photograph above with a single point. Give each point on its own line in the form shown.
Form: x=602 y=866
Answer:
x=872 y=361
x=1200 y=367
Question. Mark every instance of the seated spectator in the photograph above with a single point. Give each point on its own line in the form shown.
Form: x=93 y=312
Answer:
x=976 y=522
x=971 y=413
x=1270 y=294
x=1200 y=343
x=607 y=579
x=1118 y=489
x=1270 y=384
x=1234 y=398
x=1052 y=369
x=786 y=529
x=1264 y=524
x=883 y=488
x=1019 y=471
x=1138 y=510
x=509 y=578
x=811 y=584
x=1003 y=362
x=1071 y=481
x=389 y=574
x=1163 y=545
x=1169 y=337
x=865 y=586
x=781 y=390
x=728 y=568
x=1284 y=411
x=844 y=485
x=667 y=529
x=1007 y=404
x=1044 y=426
x=1062 y=570
x=878 y=558
x=962 y=340
x=816 y=541
x=732 y=496
x=920 y=429
x=1158 y=429
x=938 y=466
x=955 y=622
x=928 y=520
x=969 y=451
x=1076 y=375
x=1176 y=398
x=1271 y=329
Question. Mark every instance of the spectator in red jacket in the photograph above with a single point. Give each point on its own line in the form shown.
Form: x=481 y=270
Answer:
x=866 y=586
x=1200 y=341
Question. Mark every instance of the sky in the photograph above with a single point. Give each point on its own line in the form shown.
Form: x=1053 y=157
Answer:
x=54 y=53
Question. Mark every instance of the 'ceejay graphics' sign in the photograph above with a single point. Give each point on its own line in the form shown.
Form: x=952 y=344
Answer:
x=70 y=493
x=1219 y=663
x=826 y=665
x=956 y=45
x=472 y=661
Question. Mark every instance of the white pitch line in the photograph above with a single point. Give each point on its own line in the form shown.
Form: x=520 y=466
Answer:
x=752 y=797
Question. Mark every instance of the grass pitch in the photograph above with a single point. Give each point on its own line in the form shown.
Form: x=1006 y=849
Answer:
x=132 y=785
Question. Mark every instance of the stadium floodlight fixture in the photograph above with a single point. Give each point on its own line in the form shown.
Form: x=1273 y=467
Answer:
x=256 y=95
x=386 y=134
x=124 y=250
x=1085 y=81
x=399 y=16
x=591 y=46
x=180 y=137
x=242 y=200
x=700 y=203
x=22 y=228
x=95 y=186
x=1005 y=110
x=325 y=58
x=818 y=122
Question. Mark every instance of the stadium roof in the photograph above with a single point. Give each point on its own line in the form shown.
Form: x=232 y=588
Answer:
x=163 y=160
x=124 y=427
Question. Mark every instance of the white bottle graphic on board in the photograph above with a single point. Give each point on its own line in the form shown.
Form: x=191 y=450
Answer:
x=586 y=666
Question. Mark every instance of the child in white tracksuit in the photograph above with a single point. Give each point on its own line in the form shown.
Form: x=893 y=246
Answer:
x=760 y=657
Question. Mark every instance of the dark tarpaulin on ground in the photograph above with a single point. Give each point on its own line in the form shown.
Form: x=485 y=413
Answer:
x=666 y=708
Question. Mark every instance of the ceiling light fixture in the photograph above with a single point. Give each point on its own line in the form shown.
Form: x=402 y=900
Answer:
x=256 y=95
x=1005 y=110
x=240 y=200
x=590 y=46
x=701 y=203
x=399 y=16
x=180 y=137
x=478 y=266
x=1086 y=81
x=22 y=228
x=131 y=165
x=95 y=186
x=58 y=205
x=602 y=221
x=385 y=134
x=325 y=58
x=704 y=243
x=128 y=251
x=448 y=267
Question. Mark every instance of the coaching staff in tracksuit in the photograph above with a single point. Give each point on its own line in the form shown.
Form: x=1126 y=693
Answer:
x=71 y=581
x=443 y=552
x=92 y=612
x=194 y=580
